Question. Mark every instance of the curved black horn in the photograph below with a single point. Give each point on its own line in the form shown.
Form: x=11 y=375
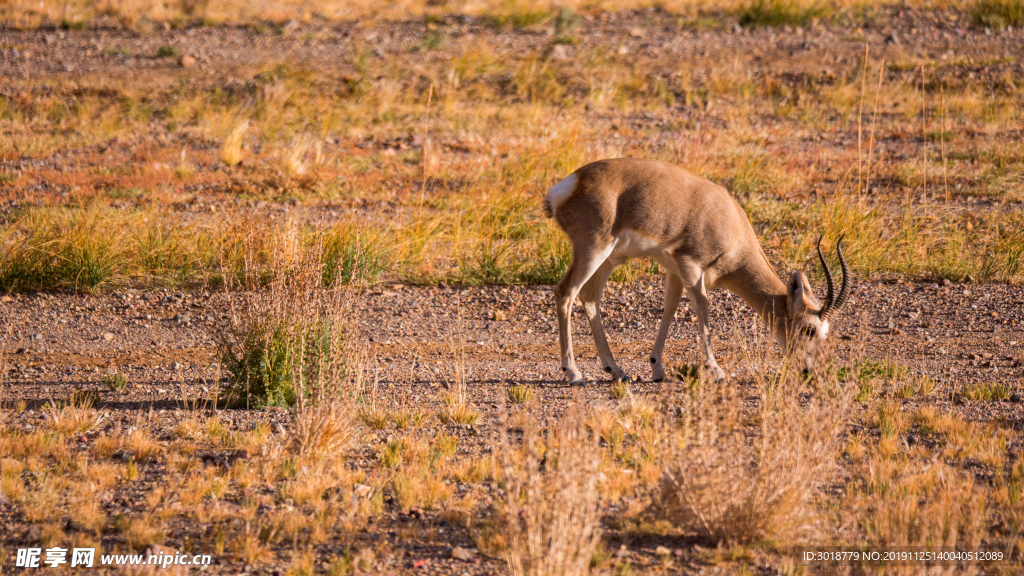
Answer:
x=844 y=292
x=831 y=284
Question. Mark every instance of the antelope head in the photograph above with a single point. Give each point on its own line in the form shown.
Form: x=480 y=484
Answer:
x=808 y=317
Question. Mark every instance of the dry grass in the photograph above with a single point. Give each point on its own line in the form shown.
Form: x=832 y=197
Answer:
x=77 y=416
x=550 y=515
x=481 y=221
x=736 y=477
x=500 y=14
x=457 y=409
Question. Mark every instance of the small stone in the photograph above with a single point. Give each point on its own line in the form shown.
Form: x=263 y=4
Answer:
x=290 y=26
x=182 y=318
x=187 y=61
x=623 y=50
x=945 y=282
x=176 y=366
x=636 y=32
x=662 y=551
x=1016 y=398
x=362 y=490
x=6 y=299
x=464 y=554
x=970 y=280
x=108 y=336
x=37 y=336
x=560 y=52
x=895 y=331
x=499 y=316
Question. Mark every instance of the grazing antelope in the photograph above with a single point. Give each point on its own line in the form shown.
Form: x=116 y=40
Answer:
x=622 y=208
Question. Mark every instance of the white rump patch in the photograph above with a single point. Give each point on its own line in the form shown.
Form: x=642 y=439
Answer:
x=560 y=192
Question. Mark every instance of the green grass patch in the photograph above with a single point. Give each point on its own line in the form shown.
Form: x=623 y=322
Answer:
x=517 y=17
x=116 y=382
x=779 y=13
x=353 y=256
x=998 y=14
x=519 y=394
x=986 y=391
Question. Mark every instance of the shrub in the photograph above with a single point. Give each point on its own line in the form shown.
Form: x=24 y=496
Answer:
x=550 y=516
x=290 y=345
x=260 y=366
x=734 y=483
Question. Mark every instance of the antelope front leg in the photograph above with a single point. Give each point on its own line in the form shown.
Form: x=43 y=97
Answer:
x=673 y=292
x=699 y=297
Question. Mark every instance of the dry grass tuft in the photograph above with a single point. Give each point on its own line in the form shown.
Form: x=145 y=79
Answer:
x=457 y=409
x=231 y=151
x=735 y=477
x=550 y=515
x=77 y=416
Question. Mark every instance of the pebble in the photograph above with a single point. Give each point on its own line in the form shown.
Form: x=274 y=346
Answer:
x=108 y=336
x=464 y=554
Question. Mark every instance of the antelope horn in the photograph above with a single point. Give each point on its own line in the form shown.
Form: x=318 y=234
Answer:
x=830 y=295
x=844 y=292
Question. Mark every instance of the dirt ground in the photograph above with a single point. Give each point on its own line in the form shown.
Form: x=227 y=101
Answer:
x=165 y=343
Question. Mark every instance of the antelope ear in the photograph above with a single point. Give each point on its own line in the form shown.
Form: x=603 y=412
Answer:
x=799 y=290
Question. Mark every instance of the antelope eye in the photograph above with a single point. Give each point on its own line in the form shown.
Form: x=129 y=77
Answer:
x=808 y=331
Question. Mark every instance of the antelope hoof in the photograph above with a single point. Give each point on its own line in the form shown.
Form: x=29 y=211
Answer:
x=658 y=374
x=574 y=376
x=618 y=374
x=715 y=373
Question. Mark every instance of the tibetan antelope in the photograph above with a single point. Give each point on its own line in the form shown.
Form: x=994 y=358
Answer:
x=617 y=209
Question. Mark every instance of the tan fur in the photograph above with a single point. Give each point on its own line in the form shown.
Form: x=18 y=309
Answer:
x=623 y=208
